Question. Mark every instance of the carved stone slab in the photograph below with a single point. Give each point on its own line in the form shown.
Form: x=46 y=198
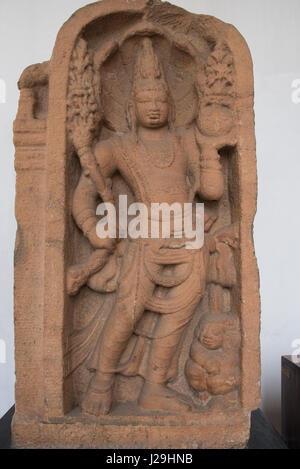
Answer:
x=136 y=342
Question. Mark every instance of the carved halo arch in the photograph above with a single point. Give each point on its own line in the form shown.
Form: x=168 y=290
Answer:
x=115 y=87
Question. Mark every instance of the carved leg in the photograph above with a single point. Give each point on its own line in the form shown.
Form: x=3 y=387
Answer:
x=155 y=394
x=197 y=376
x=134 y=289
x=98 y=398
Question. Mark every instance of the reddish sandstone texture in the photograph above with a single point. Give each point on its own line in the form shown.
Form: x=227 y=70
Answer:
x=124 y=342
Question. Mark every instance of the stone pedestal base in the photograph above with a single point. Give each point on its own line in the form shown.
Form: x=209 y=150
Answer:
x=120 y=431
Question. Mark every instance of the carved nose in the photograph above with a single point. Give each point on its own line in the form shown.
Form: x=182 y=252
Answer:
x=154 y=106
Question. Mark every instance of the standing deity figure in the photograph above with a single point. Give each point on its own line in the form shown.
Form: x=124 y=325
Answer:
x=160 y=164
x=136 y=283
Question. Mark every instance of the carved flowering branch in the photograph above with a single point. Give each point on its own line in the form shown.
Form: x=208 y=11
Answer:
x=219 y=72
x=84 y=111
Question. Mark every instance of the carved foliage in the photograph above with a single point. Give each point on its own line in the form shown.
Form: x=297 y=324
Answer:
x=83 y=97
x=216 y=91
x=219 y=72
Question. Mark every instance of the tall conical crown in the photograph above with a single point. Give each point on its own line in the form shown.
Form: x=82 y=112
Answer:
x=148 y=72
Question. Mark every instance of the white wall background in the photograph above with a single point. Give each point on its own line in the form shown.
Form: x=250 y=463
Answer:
x=28 y=30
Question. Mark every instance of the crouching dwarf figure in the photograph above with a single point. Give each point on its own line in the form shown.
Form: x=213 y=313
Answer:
x=160 y=164
x=213 y=366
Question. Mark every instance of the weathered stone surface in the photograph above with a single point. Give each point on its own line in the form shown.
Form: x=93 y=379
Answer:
x=135 y=431
x=141 y=343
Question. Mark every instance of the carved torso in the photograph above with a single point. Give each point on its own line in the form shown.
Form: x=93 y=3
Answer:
x=153 y=177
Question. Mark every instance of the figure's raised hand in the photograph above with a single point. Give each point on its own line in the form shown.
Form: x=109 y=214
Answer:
x=82 y=136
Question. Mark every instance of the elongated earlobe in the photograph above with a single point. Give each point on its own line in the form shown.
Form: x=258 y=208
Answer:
x=172 y=113
x=130 y=114
x=131 y=117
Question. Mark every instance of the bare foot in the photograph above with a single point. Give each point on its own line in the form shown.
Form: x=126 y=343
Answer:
x=98 y=398
x=158 y=397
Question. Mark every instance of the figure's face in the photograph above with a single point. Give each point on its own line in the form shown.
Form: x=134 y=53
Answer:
x=152 y=108
x=211 y=336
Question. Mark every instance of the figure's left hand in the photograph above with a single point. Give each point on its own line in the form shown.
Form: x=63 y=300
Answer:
x=81 y=135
